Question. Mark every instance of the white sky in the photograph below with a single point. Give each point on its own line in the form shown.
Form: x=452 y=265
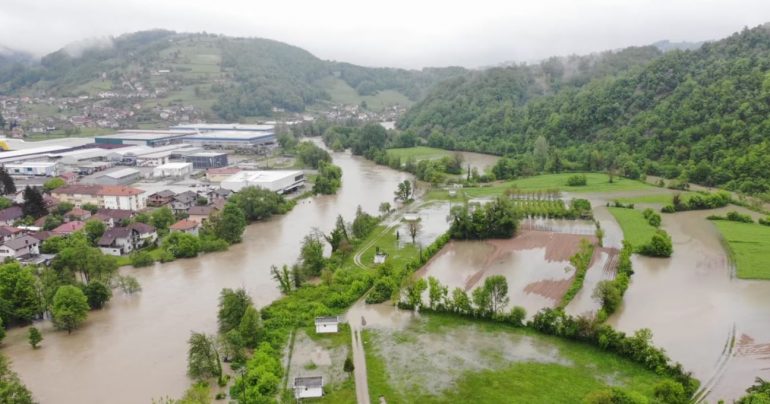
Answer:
x=402 y=33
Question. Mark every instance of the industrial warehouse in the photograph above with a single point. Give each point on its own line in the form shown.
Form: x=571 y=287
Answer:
x=208 y=161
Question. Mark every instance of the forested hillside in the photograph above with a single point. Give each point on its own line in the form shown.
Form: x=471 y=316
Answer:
x=700 y=115
x=234 y=77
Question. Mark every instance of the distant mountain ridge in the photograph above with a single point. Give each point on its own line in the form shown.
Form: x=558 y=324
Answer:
x=699 y=115
x=235 y=77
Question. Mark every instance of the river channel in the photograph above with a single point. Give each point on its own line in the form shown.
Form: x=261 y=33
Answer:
x=135 y=349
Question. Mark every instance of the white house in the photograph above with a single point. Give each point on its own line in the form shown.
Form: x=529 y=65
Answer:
x=122 y=197
x=118 y=241
x=173 y=170
x=20 y=247
x=308 y=387
x=326 y=325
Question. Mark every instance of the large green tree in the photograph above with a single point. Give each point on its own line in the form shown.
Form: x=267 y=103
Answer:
x=19 y=298
x=232 y=306
x=231 y=224
x=70 y=308
x=34 y=205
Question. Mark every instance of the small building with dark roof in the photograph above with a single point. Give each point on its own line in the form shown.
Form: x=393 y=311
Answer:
x=308 y=387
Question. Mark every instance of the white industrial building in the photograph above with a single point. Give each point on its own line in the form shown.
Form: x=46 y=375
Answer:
x=78 y=156
x=217 y=127
x=276 y=181
x=176 y=169
x=153 y=159
x=33 y=168
x=122 y=176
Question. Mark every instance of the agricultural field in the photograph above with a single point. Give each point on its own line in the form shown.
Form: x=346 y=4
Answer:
x=442 y=358
x=342 y=93
x=661 y=198
x=636 y=229
x=749 y=246
x=596 y=182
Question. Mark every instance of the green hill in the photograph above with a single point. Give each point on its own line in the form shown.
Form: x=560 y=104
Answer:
x=700 y=115
x=233 y=77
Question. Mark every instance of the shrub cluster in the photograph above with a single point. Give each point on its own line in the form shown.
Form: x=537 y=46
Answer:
x=697 y=202
x=577 y=180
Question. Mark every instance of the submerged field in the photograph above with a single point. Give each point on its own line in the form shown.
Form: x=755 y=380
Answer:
x=749 y=246
x=636 y=230
x=419 y=153
x=442 y=358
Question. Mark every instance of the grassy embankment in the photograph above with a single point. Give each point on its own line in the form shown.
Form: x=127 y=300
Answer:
x=579 y=369
x=636 y=229
x=596 y=182
x=749 y=246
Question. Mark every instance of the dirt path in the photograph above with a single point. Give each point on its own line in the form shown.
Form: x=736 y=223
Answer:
x=359 y=361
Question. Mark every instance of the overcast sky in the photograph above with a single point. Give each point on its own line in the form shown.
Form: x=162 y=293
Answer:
x=402 y=33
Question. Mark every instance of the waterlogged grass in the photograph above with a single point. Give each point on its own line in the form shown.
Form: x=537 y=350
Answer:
x=636 y=229
x=580 y=369
x=390 y=244
x=749 y=246
x=419 y=153
x=663 y=198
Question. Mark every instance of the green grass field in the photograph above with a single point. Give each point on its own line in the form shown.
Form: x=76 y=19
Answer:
x=636 y=230
x=580 y=370
x=419 y=153
x=342 y=93
x=749 y=246
x=596 y=183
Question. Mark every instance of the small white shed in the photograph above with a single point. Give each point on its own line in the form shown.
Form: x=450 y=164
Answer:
x=308 y=387
x=379 y=257
x=326 y=325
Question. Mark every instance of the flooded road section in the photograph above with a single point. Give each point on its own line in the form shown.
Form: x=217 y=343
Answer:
x=716 y=325
x=135 y=349
x=535 y=264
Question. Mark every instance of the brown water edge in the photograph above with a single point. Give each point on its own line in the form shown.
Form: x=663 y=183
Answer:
x=535 y=264
x=135 y=349
x=697 y=309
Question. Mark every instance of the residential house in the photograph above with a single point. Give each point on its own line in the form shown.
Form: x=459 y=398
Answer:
x=77 y=214
x=161 y=198
x=118 y=241
x=10 y=215
x=220 y=193
x=42 y=235
x=20 y=247
x=78 y=194
x=200 y=214
x=184 y=201
x=9 y=233
x=69 y=177
x=308 y=387
x=147 y=235
x=122 y=197
x=116 y=216
x=106 y=219
x=68 y=228
x=186 y=226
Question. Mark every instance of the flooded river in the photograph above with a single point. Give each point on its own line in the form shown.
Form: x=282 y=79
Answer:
x=135 y=349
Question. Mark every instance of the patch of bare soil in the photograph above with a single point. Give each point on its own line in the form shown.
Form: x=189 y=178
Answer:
x=549 y=288
x=558 y=246
x=746 y=346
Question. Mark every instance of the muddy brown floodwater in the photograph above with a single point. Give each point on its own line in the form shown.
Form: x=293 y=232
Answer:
x=716 y=325
x=535 y=264
x=135 y=349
